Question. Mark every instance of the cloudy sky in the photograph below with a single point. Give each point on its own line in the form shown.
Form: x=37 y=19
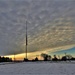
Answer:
x=51 y=25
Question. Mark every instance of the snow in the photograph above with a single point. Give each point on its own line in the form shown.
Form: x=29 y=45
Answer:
x=37 y=68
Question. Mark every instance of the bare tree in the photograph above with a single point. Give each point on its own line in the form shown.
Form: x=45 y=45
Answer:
x=46 y=56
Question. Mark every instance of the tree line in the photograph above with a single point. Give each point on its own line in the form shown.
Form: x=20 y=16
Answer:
x=5 y=59
x=47 y=57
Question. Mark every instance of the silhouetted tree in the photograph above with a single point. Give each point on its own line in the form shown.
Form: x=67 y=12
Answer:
x=73 y=58
x=46 y=56
x=64 y=58
x=36 y=59
x=55 y=58
x=26 y=59
x=5 y=59
x=49 y=57
x=69 y=57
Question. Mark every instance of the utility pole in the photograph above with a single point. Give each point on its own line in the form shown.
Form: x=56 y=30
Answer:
x=14 y=57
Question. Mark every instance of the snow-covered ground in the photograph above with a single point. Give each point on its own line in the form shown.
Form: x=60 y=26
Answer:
x=37 y=68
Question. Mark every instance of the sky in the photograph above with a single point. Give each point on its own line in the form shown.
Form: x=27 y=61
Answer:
x=70 y=51
x=51 y=26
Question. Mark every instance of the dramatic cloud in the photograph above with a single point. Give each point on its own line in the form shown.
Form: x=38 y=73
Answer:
x=51 y=24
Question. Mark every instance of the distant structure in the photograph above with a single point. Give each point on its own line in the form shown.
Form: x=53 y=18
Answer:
x=26 y=59
x=26 y=40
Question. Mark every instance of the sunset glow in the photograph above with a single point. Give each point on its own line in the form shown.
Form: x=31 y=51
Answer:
x=51 y=27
